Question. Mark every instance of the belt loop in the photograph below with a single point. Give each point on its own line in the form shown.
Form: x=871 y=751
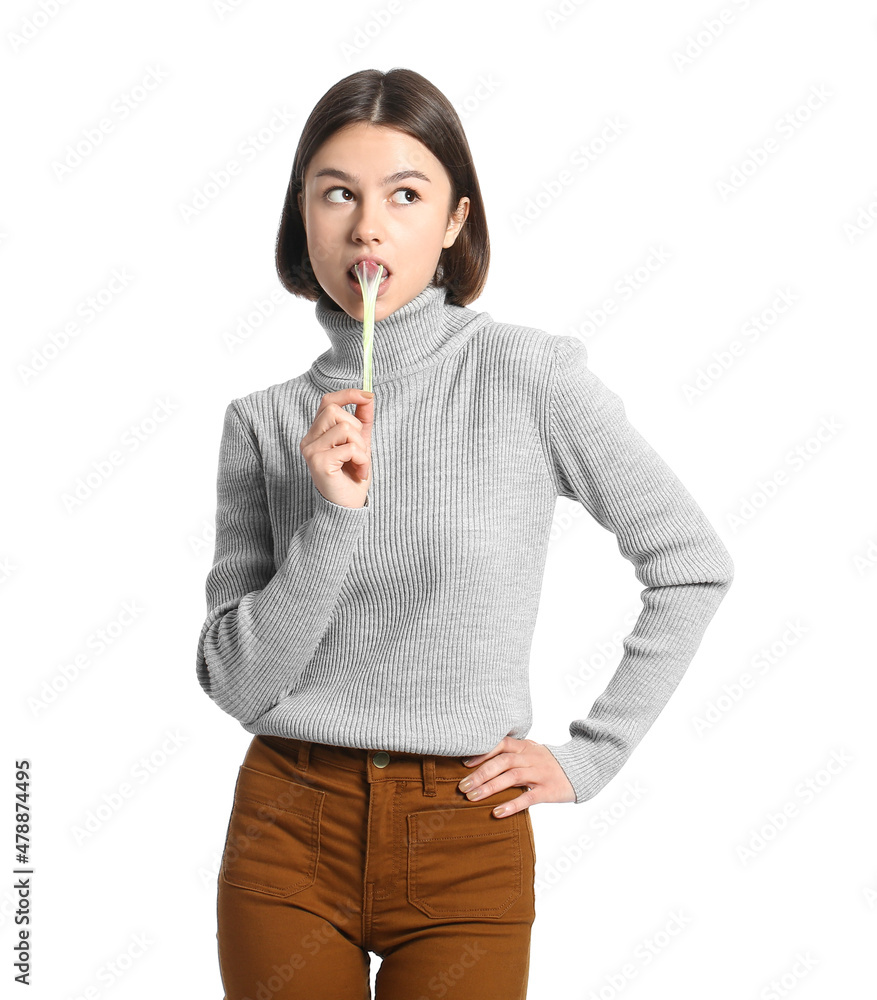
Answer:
x=428 y=775
x=304 y=755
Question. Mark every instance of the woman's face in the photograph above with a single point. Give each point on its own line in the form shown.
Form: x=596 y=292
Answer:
x=372 y=190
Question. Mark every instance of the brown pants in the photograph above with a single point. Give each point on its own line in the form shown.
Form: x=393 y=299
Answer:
x=334 y=852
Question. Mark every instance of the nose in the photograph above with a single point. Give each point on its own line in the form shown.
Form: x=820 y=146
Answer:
x=367 y=226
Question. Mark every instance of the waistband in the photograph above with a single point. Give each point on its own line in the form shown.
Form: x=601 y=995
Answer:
x=375 y=764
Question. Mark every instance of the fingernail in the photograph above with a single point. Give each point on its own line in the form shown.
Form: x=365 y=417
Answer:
x=467 y=763
x=369 y=394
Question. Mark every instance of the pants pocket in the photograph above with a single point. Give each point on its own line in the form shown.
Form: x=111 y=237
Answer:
x=273 y=839
x=529 y=825
x=463 y=861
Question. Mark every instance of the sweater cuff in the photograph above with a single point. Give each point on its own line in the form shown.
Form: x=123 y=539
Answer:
x=588 y=770
x=337 y=511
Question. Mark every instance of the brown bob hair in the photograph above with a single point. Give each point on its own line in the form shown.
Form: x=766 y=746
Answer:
x=407 y=101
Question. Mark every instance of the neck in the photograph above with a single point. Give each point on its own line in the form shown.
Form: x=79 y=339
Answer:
x=415 y=335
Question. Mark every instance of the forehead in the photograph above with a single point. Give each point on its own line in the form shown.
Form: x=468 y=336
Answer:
x=371 y=152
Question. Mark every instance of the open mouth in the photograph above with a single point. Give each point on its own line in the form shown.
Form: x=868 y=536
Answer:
x=354 y=281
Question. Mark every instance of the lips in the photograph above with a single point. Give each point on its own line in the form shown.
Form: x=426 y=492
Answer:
x=354 y=282
x=352 y=274
x=370 y=270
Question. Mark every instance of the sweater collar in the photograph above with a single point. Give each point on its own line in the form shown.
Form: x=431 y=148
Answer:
x=418 y=334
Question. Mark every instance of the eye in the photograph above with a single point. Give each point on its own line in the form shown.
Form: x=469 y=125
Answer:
x=346 y=191
x=409 y=191
x=336 y=200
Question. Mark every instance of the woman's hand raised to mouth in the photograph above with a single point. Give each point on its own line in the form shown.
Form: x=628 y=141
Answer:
x=337 y=447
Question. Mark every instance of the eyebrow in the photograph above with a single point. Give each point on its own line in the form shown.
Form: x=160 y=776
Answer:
x=389 y=179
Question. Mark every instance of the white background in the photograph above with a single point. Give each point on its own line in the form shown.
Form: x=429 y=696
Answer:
x=769 y=906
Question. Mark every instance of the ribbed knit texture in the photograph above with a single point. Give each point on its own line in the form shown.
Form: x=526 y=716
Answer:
x=407 y=624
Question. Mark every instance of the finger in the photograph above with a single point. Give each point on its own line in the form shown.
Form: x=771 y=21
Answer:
x=513 y=806
x=347 y=448
x=341 y=434
x=361 y=463
x=479 y=757
x=334 y=415
x=365 y=413
x=352 y=430
x=343 y=397
x=347 y=452
x=325 y=419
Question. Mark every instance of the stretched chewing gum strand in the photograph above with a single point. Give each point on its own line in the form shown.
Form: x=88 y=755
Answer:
x=369 y=275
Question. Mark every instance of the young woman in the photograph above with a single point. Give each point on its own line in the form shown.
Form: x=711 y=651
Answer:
x=377 y=577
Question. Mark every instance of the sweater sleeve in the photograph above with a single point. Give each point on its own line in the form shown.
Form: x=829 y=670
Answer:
x=605 y=464
x=263 y=626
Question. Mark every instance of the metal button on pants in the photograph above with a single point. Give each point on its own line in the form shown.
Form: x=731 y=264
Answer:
x=335 y=852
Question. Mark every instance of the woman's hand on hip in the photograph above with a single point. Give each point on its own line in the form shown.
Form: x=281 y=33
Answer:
x=517 y=762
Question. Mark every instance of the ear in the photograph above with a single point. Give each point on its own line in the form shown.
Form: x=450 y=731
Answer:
x=456 y=224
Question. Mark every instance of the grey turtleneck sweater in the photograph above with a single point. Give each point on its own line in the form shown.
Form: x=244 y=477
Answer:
x=407 y=624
